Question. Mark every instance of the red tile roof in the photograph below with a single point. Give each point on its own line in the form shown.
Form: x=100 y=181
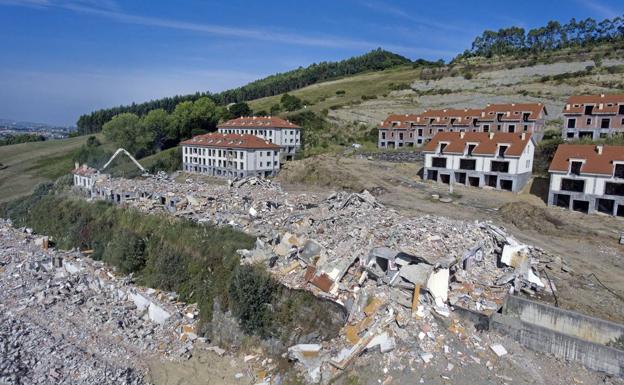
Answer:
x=242 y=141
x=487 y=143
x=84 y=171
x=576 y=104
x=258 y=122
x=513 y=112
x=595 y=163
x=400 y=121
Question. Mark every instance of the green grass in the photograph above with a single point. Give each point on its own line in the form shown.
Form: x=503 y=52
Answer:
x=323 y=95
x=29 y=164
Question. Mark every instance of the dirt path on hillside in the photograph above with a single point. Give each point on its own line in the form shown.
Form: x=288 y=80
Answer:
x=587 y=243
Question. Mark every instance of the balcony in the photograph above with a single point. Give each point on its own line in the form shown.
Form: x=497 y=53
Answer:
x=468 y=164
x=497 y=166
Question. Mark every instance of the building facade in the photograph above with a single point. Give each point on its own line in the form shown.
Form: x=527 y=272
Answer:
x=588 y=178
x=285 y=134
x=593 y=116
x=84 y=176
x=499 y=160
x=415 y=130
x=231 y=155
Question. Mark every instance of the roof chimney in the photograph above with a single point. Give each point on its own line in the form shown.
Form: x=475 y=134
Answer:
x=523 y=136
x=462 y=134
x=76 y=165
x=599 y=148
x=491 y=135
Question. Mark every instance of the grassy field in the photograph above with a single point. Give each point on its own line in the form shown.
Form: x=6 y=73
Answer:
x=28 y=164
x=324 y=95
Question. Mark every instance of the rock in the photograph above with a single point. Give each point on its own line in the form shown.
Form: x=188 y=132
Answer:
x=498 y=349
x=437 y=284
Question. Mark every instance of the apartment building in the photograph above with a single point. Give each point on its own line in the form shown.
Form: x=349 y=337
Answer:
x=588 y=178
x=415 y=130
x=593 y=116
x=231 y=155
x=84 y=176
x=500 y=160
x=285 y=134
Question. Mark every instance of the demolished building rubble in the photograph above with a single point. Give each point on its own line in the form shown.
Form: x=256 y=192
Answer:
x=65 y=318
x=396 y=276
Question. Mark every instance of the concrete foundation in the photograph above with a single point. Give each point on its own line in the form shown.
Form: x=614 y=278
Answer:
x=578 y=201
x=497 y=180
x=565 y=334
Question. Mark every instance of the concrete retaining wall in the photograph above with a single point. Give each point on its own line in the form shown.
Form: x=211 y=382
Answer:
x=563 y=321
x=565 y=334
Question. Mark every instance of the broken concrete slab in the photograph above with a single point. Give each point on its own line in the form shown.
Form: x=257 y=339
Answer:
x=416 y=274
x=437 y=284
x=157 y=314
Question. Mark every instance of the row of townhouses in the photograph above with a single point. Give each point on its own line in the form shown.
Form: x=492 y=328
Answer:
x=416 y=130
x=584 y=117
x=583 y=177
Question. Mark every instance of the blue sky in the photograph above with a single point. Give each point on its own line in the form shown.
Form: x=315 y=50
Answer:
x=62 y=58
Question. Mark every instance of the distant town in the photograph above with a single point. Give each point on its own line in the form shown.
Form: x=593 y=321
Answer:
x=10 y=127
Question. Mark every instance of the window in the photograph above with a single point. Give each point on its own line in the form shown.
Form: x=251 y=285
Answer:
x=526 y=128
x=588 y=122
x=572 y=123
x=401 y=136
x=605 y=123
x=501 y=151
x=614 y=188
x=471 y=148
x=442 y=147
x=275 y=153
x=497 y=166
x=268 y=153
x=486 y=128
x=498 y=127
x=383 y=135
x=260 y=164
x=528 y=163
x=512 y=128
x=589 y=110
x=574 y=185
x=438 y=162
x=621 y=109
x=575 y=167
x=467 y=164
x=619 y=171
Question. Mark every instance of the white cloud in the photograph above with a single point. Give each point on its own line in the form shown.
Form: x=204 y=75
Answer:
x=601 y=9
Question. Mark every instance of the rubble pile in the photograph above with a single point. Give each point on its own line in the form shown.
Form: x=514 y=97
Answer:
x=67 y=319
x=403 y=280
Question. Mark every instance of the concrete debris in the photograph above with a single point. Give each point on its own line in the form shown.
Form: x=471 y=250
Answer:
x=55 y=306
x=498 y=349
x=399 y=278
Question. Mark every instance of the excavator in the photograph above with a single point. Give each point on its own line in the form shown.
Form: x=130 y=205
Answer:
x=119 y=151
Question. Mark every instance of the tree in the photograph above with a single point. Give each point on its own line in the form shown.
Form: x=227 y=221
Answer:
x=240 y=109
x=126 y=130
x=157 y=121
x=204 y=114
x=180 y=122
x=290 y=102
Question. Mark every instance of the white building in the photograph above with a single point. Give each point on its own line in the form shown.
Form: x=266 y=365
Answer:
x=588 y=178
x=499 y=160
x=231 y=155
x=84 y=176
x=285 y=134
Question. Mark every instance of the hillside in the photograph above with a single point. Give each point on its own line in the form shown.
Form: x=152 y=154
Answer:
x=28 y=164
x=369 y=98
x=375 y=60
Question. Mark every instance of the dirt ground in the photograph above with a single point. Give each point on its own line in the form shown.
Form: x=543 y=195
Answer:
x=589 y=244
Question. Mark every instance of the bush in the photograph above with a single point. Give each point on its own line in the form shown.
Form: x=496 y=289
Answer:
x=252 y=291
x=341 y=92
x=126 y=251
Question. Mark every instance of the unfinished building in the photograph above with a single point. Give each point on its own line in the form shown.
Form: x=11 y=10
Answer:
x=593 y=117
x=84 y=176
x=275 y=130
x=415 y=130
x=588 y=178
x=499 y=160
x=231 y=155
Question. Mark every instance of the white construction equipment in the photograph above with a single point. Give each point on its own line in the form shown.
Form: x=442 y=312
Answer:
x=120 y=150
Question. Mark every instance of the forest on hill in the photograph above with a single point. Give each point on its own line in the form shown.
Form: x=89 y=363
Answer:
x=375 y=60
x=552 y=36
